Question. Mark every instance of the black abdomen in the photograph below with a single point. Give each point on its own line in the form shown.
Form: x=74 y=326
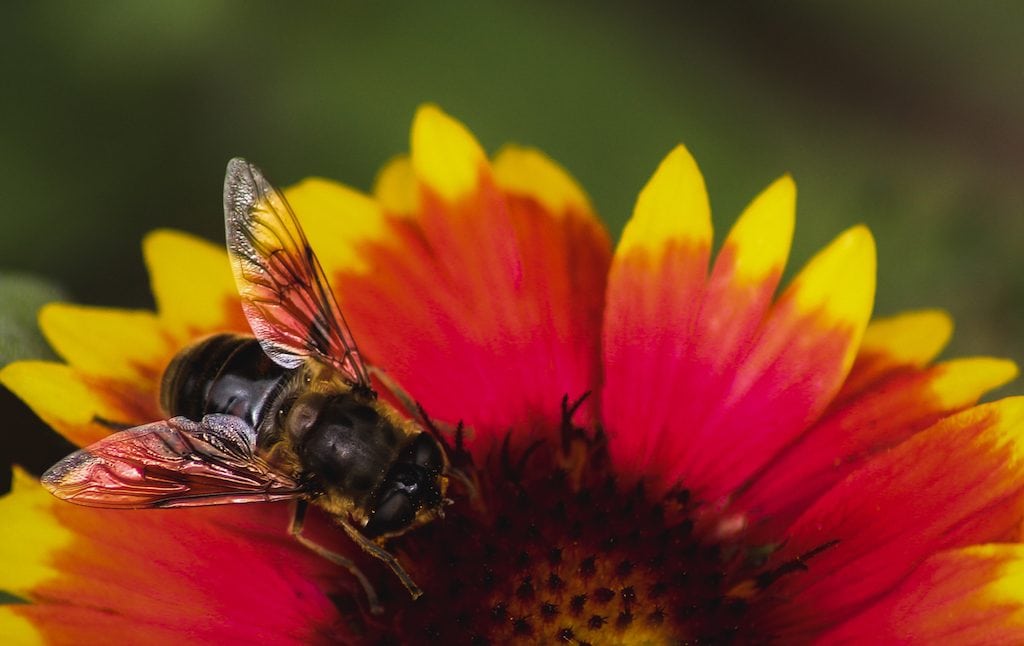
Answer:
x=226 y=373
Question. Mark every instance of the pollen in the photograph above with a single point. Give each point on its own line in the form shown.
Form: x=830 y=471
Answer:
x=553 y=548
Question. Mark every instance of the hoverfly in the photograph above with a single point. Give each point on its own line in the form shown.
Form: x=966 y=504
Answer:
x=287 y=414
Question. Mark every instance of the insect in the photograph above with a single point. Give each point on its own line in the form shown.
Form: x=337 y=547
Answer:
x=287 y=414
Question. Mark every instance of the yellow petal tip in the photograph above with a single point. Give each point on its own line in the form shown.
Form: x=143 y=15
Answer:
x=672 y=207
x=911 y=338
x=962 y=381
x=162 y=245
x=445 y=155
x=189 y=295
x=52 y=390
x=161 y=235
x=395 y=187
x=529 y=172
x=104 y=341
x=22 y=481
x=840 y=280
x=761 y=238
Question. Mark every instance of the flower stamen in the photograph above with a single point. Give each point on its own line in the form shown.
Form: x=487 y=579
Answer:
x=560 y=550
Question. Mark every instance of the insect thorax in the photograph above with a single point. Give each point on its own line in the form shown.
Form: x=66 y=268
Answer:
x=344 y=442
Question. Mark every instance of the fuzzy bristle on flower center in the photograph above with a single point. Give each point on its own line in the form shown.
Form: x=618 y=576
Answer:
x=547 y=546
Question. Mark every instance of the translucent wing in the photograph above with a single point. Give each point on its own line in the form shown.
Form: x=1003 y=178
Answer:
x=285 y=294
x=174 y=463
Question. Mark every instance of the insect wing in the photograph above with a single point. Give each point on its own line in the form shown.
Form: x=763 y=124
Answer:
x=285 y=294
x=173 y=463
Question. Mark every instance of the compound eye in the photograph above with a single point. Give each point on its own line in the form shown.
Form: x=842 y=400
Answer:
x=394 y=513
x=425 y=452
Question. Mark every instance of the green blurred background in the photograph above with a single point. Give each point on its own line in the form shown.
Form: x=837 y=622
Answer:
x=118 y=117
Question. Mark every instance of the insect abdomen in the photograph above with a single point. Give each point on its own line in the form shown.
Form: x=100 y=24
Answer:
x=226 y=373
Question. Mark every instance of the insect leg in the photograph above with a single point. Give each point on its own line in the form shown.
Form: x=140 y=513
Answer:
x=295 y=529
x=379 y=552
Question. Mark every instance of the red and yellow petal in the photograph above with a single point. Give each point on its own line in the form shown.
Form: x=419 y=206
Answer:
x=718 y=378
x=859 y=427
x=797 y=363
x=530 y=174
x=115 y=358
x=965 y=596
x=739 y=296
x=566 y=253
x=75 y=404
x=129 y=346
x=114 y=363
x=795 y=367
x=29 y=536
x=338 y=221
x=907 y=340
x=952 y=485
x=211 y=575
x=655 y=287
x=478 y=277
x=462 y=212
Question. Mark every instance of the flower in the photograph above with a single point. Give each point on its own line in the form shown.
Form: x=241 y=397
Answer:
x=746 y=467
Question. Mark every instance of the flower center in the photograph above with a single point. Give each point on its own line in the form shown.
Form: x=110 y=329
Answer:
x=546 y=547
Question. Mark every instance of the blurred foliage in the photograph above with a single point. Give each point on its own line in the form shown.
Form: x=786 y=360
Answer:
x=22 y=296
x=119 y=116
